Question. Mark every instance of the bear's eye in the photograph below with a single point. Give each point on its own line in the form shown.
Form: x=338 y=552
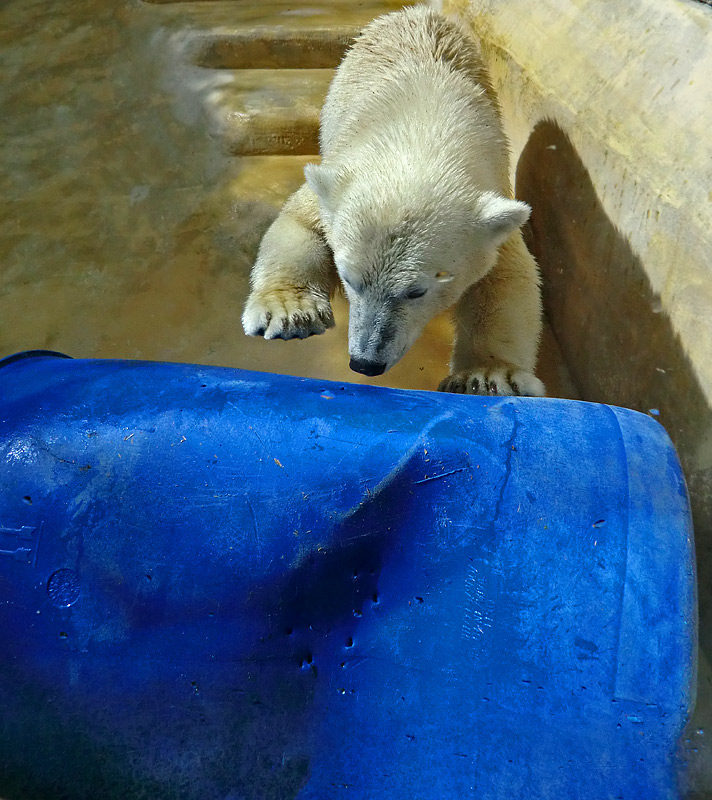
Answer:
x=414 y=294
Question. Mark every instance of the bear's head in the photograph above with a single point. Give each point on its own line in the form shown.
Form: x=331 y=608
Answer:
x=405 y=250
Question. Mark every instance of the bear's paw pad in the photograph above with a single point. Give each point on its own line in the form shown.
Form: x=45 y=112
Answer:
x=500 y=380
x=287 y=313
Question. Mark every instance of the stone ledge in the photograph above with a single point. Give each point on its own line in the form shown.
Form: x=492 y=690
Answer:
x=281 y=17
x=315 y=48
x=269 y=112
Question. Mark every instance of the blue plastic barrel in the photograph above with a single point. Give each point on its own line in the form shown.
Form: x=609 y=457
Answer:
x=217 y=584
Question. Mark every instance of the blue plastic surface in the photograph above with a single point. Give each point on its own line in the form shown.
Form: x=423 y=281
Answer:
x=225 y=584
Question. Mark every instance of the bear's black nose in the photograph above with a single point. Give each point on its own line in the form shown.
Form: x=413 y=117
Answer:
x=369 y=368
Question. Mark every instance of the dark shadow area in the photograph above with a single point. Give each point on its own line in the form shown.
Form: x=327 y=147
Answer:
x=616 y=337
x=230 y=711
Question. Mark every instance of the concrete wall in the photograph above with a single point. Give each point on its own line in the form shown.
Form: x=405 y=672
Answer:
x=609 y=111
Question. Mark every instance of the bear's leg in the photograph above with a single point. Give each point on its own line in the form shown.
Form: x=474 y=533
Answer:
x=294 y=275
x=497 y=329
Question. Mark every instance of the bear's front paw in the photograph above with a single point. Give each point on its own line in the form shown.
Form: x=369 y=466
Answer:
x=500 y=380
x=291 y=313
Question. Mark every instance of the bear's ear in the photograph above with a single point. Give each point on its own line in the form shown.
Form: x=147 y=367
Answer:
x=327 y=183
x=500 y=216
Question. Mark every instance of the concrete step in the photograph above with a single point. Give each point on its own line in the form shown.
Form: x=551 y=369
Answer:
x=278 y=34
x=312 y=48
x=269 y=112
x=272 y=64
x=231 y=11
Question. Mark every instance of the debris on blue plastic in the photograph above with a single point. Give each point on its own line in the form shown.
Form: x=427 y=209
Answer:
x=226 y=585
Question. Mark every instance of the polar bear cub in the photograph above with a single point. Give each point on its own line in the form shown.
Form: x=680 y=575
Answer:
x=411 y=211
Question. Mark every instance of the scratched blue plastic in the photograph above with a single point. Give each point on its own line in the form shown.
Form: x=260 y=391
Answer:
x=217 y=584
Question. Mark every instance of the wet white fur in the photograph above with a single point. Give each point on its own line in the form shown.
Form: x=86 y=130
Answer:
x=412 y=195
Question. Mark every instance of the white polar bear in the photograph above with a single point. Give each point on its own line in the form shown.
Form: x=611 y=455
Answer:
x=411 y=210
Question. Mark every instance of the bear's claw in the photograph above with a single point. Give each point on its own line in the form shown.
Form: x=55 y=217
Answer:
x=287 y=314
x=500 y=380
